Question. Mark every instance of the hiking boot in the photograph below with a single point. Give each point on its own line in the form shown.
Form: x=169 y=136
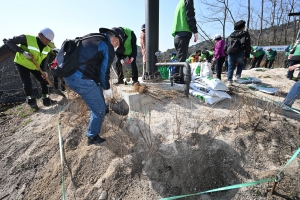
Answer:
x=48 y=102
x=32 y=103
x=95 y=140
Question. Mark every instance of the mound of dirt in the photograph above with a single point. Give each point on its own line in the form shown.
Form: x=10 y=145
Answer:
x=172 y=146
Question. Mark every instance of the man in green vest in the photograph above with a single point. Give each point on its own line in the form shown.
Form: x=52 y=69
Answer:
x=184 y=26
x=127 y=49
x=270 y=57
x=29 y=47
x=257 y=55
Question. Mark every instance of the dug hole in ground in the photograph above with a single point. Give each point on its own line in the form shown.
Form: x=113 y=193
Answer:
x=171 y=146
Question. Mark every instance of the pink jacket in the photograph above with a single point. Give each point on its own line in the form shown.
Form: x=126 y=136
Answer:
x=143 y=45
x=219 y=49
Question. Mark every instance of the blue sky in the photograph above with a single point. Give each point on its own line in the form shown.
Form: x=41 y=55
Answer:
x=69 y=19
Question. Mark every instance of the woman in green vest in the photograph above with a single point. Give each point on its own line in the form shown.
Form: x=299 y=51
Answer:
x=29 y=47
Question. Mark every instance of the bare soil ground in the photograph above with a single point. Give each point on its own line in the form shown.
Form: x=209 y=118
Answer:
x=173 y=145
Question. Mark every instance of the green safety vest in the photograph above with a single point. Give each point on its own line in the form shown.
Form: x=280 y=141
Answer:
x=210 y=53
x=297 y=51
x=180 y=22
x=258 y=52
x=33 y=49
x=127 y=43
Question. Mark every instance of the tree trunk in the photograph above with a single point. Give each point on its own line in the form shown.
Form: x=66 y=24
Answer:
x=261 y=22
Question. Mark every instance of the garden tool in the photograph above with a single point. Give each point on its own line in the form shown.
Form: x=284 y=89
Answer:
x=47 y=79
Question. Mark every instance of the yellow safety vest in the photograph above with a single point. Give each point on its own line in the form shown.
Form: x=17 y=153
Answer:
x=33 y=49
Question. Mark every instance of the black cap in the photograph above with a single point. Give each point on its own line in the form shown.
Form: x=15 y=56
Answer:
x=143 y=27
x=239 y=25
x=116 y=33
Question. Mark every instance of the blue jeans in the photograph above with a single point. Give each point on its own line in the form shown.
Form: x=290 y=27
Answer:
x=293 y=94
x=233 y=60
x=92 y=94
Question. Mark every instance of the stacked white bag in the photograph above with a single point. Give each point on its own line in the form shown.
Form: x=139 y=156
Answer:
x=205 y=87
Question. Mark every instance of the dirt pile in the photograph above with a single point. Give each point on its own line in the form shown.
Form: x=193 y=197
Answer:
x=172 y=146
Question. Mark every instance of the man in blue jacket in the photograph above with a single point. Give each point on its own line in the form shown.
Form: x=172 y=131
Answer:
x=91 y=79
x=184 y=26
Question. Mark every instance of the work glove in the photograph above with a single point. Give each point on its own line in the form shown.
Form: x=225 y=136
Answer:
x=27 y=54
x=195 y=37
x=130 y=60
x=122 y=62
x=54 y=64
x=45 y=75
x=108 y=93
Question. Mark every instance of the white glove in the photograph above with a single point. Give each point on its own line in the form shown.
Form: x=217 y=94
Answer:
x=46 y=74
x=108 y=93
x=195 y=37
x=122 y=62
x=27 y=54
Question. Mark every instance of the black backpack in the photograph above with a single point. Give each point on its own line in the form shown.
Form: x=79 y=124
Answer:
x=67 y=57
x=234 y=45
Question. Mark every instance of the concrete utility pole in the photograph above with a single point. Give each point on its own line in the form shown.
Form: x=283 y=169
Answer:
x=152 y=35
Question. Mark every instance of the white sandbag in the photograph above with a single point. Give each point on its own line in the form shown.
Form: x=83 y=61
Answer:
x=206 y=69
x=213 y=83
x=259 y=69
x=195 y=68
x=250 y=79
x=206 y=90
x=204 y=97
x=264 y=88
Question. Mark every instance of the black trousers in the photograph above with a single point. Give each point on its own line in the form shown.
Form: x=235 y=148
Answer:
x=256 y=61
x=182 y=46
x=26 y=80
x=219 y=64
x=62 y=83
x=270 y=63
x=134 y=70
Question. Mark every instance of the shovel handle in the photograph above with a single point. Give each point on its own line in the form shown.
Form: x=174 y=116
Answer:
x=43 y=74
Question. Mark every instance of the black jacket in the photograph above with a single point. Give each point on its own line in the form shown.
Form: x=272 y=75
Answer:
x=15 y=41
x=245 y=41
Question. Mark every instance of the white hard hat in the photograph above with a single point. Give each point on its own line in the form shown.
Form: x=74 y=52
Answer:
x=48 y=33
x=217 y=36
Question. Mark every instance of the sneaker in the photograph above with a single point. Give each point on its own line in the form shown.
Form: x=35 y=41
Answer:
x=238 y=77
x=48 y=102
x=282 y=105
x=230 y=82
x=95 y=140
x=32 y=103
